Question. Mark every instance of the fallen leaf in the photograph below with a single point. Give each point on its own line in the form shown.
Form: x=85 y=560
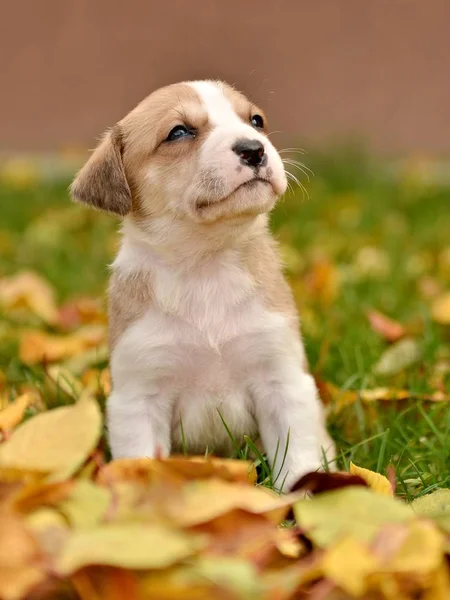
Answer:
x=440 y=309
x=348 y=563
x=389 y=329
x=40 y=493
x=375 y=481
x=82 y=311
x=21 y=563
x=29 y=291
x=204 y=500
x=86 y=504
x=384 y=394
x=50 y=530
x=14 y=413
x=433 y=505
x=38 y=346
x=317 y=483
x=181 y=468
x=57 y=441
x=422 y=550
x=323 y=281
x=127 y=545
x=398 y=357
x=361 y=512
x=97 y=381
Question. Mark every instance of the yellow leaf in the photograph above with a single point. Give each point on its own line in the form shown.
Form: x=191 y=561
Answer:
x=202 y=501
x=354 y=511
x=384 y=393
x=377 y=482
x=440 y=309
x=127 y=545
x=29 y=291
x=38 y=346
x=348 y=564
x=13 y=414
x=398 y=357
x=421 y=552
x=86 y=504
x=57 y=441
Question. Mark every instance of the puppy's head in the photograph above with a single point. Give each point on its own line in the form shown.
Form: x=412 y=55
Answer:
x=196 y=150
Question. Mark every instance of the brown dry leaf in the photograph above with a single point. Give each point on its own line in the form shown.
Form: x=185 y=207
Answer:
x=31 y=292
x=378 y=483
x=127 y=545
x=348 y=563
x=21 y=565
x=388 y=328
x=239 y=533
x=196 y=467
x=440 y=309
x=34 y=495
x=318 y=483
x=57 y=441
x=38 y=346
x=14 y=413
x=178 y=468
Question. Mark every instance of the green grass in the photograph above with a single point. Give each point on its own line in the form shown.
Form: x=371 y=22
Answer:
x=362 y=240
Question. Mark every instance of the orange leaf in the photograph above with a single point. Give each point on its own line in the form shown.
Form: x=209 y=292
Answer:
x=388 y=328
x=29 y=291
x=37 y=346
x=13 y=414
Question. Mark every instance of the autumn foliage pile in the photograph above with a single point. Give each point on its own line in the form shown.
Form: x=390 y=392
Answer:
x=73 y=526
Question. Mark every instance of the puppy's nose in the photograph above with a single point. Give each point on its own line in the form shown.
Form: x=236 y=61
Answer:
x=251 y=152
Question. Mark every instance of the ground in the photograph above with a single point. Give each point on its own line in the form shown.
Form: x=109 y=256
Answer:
x=365 y=239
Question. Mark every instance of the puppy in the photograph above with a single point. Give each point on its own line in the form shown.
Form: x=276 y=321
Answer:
x=203 y=327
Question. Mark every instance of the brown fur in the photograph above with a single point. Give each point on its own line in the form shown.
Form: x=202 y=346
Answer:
x=102 y=183
x=129 y=298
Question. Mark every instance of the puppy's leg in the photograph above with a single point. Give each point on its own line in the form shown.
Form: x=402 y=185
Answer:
x=290 y=422
x=139 y=423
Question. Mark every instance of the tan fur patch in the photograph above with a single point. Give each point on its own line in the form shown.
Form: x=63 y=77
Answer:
x=129 y=297
x=102 y=183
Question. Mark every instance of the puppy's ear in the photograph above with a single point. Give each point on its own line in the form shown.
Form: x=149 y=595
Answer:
x=102 y=183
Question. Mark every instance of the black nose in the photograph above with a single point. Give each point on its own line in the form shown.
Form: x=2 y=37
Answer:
x=251 y=152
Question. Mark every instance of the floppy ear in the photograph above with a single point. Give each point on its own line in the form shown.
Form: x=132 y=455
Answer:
x=101 y=183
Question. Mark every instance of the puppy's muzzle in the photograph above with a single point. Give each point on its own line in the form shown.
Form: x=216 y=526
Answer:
x=250 y=152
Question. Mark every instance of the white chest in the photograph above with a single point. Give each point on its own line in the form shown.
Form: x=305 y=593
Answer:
x=199 y=345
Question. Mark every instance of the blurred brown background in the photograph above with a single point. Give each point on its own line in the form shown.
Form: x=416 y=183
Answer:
x=323 y=69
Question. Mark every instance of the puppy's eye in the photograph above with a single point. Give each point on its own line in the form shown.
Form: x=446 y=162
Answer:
x=257 y=121
x=178 y=132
